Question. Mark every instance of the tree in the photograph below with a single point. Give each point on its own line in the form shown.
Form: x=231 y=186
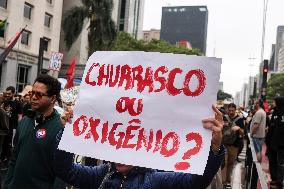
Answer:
x=222 y=95
x=125 y=42
x=101 y=29
x=275 y=86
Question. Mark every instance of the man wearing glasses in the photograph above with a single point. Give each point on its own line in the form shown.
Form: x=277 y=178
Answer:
x=31 y=164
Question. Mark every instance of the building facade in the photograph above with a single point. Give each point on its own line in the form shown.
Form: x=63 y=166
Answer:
x=279 y=39
x=281 y=56
x=128 y=17
x=272 y=58
x=41 y=19
x=185 y=23
x=148 y=35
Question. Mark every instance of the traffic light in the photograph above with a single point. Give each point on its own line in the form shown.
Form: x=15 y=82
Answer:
x=264 y=79
x=264 y=73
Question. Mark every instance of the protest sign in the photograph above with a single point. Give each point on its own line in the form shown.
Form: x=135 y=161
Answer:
x=145 y=109
x=55 y=61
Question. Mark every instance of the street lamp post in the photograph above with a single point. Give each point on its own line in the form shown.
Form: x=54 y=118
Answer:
x=263 y=87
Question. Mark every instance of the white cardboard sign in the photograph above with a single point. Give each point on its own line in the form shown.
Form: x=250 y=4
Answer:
x=145 y=109
x=55 y=61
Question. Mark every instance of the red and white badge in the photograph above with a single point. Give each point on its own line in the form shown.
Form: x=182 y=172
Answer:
x=41 y=133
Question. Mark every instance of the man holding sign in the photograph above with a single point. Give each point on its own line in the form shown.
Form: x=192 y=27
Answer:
x=146 y=110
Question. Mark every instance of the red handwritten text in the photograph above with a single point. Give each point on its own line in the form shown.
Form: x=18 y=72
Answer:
x=139 y=77
x=133 y=137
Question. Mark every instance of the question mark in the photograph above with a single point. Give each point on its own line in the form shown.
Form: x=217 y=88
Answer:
x=198 y=140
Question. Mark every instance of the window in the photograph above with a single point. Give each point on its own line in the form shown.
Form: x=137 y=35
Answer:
x=3 y=4
x=22 y=77
x=25 y=37
x=28 y=10
x=47 y=19
x=2 y=30
x=122 y=15
x=202 y=9
x=45 y=43
x=49 y=1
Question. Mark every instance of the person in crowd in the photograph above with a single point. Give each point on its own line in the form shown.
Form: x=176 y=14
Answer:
x=275 y=144
x=4 y=129
x=233 y=128
x=26 y=104
x=117 y=175
x=257 y=128
x=31 y=166
x=14 y=111
x=18 y=98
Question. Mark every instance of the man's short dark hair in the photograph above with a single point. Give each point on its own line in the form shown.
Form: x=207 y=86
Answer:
x=52 y=84
x=232 y=105
x=11 y=88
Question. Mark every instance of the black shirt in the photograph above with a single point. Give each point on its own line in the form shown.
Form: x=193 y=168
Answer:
x=12 y=109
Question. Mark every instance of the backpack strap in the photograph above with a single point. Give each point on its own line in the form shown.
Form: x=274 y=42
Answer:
x=232 y=121
x=107 y=176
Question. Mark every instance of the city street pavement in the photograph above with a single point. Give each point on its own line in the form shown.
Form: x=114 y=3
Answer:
x=238 y=180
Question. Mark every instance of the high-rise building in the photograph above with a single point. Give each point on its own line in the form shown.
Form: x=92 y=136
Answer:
x=281 y=56
x=272 y=59
x=279 y=38
x=187 y=23
x=127 y=16
x=42 y=20
x=237 y=99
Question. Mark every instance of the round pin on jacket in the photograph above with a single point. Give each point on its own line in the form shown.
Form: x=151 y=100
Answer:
x=41 y=133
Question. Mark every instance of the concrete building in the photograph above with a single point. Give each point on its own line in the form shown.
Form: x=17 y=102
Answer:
x=279 y=39
x=128 y=17
x=272 y=59
x=148 y=35
x=237 y=99
x=43 y=20
x=185 y=23
x=251 y=85
x=281 y=56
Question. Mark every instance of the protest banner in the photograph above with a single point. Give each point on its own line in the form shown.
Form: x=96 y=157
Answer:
x=145 y=109
x=55 y=61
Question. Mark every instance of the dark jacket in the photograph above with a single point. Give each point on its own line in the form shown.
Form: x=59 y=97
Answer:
x=85 y=177
x=31 y=166
x=4 y=123
x=276 y=128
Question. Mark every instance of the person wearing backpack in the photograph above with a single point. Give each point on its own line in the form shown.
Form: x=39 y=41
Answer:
x=233 y=128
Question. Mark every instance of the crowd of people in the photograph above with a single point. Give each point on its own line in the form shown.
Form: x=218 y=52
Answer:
x=265 y=126
x=32 y=127
x=34 y=130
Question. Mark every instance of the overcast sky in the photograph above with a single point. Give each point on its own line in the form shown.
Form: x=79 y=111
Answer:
x=234 y=33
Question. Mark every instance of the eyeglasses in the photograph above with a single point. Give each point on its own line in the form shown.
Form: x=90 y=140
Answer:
x=38 y=95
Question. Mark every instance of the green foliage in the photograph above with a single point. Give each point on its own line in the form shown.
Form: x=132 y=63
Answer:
x=222 y=95
x=72 y=24
x=125 y=42
x=275 y=86
x=101 y=27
